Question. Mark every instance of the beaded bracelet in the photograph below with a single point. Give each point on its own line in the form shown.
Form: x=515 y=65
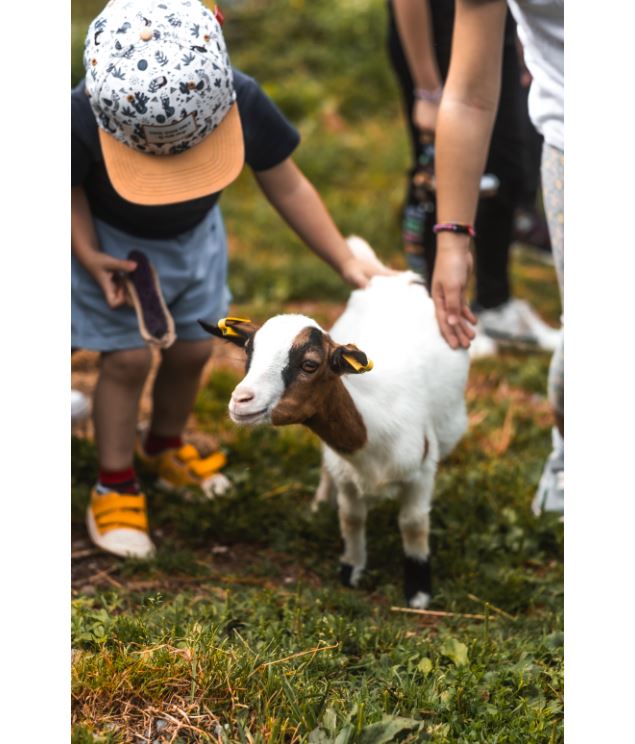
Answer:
x=433 y=96
x=455 y=227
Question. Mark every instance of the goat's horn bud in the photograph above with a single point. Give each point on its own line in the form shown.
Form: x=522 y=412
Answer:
x=357 y=366
x=227 y=330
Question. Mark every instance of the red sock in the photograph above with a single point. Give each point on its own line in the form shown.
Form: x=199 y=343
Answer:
x=121 y=481
x=156 y=443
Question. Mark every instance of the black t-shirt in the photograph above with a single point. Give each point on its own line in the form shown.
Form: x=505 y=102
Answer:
x=269 y=139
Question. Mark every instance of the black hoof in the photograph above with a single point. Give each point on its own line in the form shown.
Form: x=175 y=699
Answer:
x=346 y=575
x=416 y=577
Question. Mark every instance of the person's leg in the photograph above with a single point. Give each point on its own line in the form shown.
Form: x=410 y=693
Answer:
x=553 y=195
x=116 y=517
x=116 y=400
x=530 y=224
x=176 y=385
x=197 y=280
x=414 y=215
x=494 y=224
x=506 y=160
x=550 y=493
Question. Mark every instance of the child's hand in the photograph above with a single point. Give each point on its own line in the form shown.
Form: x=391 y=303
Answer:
x=104 y=269
x=359 y=271
x=452 y=270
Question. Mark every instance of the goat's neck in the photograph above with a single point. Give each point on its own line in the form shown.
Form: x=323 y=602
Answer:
x=338 y=423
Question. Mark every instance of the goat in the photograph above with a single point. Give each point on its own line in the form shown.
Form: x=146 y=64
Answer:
x=383 y=433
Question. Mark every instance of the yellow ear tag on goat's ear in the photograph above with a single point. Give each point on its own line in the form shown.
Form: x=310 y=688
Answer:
x=228 y=330
x=357 y=366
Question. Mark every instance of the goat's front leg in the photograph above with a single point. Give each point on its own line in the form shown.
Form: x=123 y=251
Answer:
x=414 y=523
x=352 y=514
x=324 y=490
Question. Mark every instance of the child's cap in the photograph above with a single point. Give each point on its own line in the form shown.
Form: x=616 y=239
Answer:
x=161 y=86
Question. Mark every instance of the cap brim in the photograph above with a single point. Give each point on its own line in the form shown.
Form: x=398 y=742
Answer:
x=202 y=170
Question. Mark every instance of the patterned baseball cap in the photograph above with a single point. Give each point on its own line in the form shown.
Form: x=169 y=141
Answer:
x=161 y=87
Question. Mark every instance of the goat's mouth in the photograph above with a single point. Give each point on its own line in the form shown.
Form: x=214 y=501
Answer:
x=252 y=417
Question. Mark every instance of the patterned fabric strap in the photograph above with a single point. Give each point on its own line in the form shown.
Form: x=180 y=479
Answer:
x=455 y=227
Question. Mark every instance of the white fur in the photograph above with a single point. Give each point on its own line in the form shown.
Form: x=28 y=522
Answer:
x=263 y=385
x=411 y=401
x=414 y=391
x=420 y=601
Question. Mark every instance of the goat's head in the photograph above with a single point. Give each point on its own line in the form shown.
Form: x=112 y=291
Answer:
x=292 y=368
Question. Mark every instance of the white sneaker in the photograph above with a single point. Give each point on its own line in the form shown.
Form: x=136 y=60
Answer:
x=550 y=494
x=482 y=345
x=80 y=407
x=118 y=523
x=515 y=322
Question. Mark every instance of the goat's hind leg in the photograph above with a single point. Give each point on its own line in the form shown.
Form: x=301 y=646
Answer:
x=352 y=511
x=414 y=523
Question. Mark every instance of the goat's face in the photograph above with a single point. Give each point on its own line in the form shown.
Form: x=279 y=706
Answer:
x=292 y=366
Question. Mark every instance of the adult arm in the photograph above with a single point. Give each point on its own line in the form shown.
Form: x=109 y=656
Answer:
x=464 y=128
x=299 y=204
x=85 y=246
x=414 y=25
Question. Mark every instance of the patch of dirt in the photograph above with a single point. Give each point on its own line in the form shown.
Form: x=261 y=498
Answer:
x=224 y=565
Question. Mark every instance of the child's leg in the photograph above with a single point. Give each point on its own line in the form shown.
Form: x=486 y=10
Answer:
x=176 y=386
x=116 y=518
x=115 y=405
x=179 y=467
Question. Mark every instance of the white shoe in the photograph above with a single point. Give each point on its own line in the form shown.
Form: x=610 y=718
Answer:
x=515 y=322
x=80 y=407
x=550 y=494
x=482 y=345
x=118 y=523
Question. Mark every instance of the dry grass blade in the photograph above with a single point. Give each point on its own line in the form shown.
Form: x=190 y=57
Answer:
x=492 y=607
x=104 y=575
x=438 y=613
x=313 y=651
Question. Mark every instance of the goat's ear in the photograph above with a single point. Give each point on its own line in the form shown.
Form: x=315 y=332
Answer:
x=348 y=359
x=236 y=330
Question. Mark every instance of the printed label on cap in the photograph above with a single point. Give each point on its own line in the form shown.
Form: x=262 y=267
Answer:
x=160 y=134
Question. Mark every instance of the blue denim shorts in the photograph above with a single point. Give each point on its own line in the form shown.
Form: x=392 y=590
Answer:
x=192 y=270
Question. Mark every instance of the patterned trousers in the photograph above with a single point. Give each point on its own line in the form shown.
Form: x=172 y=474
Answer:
x=553 y=197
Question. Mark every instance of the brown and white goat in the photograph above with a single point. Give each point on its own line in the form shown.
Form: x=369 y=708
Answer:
x=383 y=432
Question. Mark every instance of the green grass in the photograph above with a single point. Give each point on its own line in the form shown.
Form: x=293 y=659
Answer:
x=239 y=621
x=238 y=630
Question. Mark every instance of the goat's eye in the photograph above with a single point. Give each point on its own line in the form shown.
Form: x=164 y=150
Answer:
x=308 y=365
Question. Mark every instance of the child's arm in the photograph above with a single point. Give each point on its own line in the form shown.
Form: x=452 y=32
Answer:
x=85 y=246
x=299 y=204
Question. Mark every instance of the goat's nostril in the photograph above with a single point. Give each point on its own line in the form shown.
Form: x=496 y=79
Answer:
x=243 y=396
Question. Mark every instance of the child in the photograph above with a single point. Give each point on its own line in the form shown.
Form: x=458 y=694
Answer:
x=160 y=125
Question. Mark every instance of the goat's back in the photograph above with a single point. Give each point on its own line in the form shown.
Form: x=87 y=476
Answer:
x=418 y=381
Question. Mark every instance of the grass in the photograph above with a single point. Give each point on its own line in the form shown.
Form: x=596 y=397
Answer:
x=238 y=630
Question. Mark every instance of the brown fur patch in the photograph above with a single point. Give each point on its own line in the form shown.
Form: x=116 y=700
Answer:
x=319 y=399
